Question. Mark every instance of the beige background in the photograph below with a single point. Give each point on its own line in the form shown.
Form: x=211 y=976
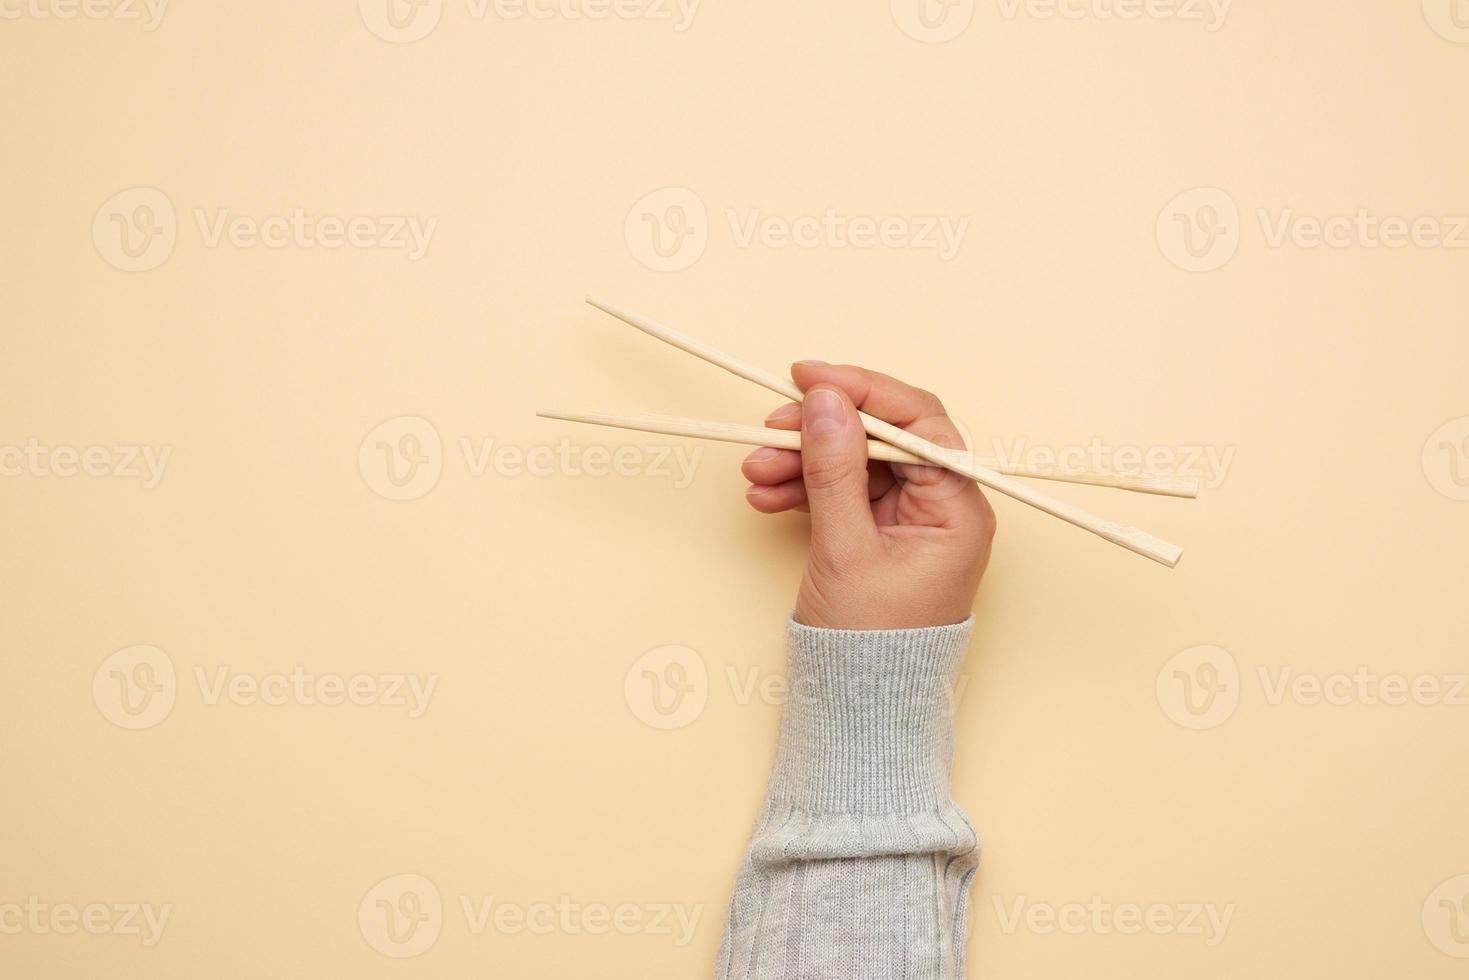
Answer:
x=1103 y=755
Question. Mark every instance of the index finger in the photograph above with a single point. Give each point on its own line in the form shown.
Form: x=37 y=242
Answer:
x=883 y=397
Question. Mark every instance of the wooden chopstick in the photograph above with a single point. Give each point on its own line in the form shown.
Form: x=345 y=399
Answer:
x=754 y=435
x=1132 y=538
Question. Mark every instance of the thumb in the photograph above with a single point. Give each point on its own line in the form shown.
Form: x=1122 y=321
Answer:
x=834 y=466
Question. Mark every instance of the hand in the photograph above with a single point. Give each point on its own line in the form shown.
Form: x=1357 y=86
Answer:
x=893 y=545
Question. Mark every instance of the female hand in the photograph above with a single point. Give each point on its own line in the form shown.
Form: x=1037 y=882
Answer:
x=893 y=545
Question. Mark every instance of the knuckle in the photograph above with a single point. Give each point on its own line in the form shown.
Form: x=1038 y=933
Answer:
x=827 y=472
x=931 y=402
x=988 y=523
x=940 y=430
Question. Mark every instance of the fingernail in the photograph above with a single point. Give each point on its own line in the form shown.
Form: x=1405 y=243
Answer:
x=755 y=491
x=813 y=363
x=761 y=455
x=784 y=412
x=824 y=412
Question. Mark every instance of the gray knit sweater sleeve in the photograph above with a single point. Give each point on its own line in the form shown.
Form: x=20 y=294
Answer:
x=860 y=863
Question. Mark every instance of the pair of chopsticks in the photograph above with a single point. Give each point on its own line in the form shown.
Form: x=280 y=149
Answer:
x=892 y=444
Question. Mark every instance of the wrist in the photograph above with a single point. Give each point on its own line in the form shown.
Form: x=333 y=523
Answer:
x=887 y=612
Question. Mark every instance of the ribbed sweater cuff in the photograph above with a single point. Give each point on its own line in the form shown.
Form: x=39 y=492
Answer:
x=869 y=723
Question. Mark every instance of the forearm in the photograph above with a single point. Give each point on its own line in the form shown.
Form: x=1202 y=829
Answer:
x=860 y=863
